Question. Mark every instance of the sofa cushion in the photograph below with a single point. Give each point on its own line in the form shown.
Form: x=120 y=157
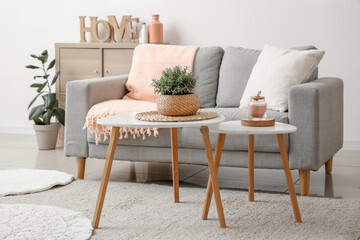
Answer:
x=148 y=63
x=263 y=143
x=206 y=66
x=235 y=71
x=276 y=72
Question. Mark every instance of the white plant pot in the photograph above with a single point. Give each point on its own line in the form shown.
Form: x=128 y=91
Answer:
x=46 y=135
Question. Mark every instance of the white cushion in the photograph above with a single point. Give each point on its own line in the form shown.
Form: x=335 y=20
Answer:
x=276 y=71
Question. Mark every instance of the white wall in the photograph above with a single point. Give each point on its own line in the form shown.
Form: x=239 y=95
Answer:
x=332 y=25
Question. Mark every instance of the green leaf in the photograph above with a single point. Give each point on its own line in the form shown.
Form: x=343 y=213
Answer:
x=41 y=87
x=49 y=100
x=38 y=121
x=36 y=111
x=33 y=56
x=46 y=76
x=34 y=99
x=47 y=116
x=43 y=59
x=38 y=76
x=56 y=104
x=32 y=67
x=55 y=78
x=60 y=115
x=44 y=53
x=51 y=65
x=36 y=85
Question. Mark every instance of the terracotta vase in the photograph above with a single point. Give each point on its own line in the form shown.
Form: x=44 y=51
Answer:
x=155 y=30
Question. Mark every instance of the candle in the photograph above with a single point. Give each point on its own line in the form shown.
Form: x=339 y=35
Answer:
x=257 y=107
x=257 y=110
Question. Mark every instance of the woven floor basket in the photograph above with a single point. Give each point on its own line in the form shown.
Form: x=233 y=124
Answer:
x=155 y=116
x=178 y=105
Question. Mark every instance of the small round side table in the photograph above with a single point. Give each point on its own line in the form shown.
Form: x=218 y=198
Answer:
x=235 y=127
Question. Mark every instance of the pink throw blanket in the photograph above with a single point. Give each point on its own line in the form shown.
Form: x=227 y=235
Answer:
x=148 y=62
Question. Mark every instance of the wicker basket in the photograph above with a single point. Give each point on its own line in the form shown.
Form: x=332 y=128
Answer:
x=178 y=105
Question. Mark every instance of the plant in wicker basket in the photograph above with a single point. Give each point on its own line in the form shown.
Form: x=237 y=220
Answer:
x=174 y=86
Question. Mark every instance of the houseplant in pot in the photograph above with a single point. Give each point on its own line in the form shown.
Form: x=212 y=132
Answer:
x=46 y=131
x=174 y=86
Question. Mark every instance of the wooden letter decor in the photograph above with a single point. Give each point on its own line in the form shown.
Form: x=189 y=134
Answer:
x=123 y=31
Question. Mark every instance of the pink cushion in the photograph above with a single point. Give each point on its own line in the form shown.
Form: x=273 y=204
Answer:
x=149 y=61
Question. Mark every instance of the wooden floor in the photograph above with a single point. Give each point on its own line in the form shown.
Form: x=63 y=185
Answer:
x=20 y=151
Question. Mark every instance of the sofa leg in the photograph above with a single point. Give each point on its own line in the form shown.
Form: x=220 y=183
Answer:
x=328 y=166
x=304 y=176
x=80 y=167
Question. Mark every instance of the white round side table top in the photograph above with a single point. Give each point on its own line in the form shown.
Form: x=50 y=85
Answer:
x=235 y=127
x=129 y=120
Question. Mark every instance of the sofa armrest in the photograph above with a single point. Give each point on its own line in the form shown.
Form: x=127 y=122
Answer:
x=81 y=95
x=316 y=109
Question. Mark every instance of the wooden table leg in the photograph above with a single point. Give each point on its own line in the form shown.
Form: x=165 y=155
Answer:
x=209 y=191
x=106 y=174
x=214 y=182
x=175 y=163
x=251 y=167
x=80 y=167
x=288 y=176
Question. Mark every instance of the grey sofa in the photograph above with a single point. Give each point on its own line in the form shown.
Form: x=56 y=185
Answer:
x=315 y=108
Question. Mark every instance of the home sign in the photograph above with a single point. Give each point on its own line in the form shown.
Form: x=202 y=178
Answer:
x=123 y=31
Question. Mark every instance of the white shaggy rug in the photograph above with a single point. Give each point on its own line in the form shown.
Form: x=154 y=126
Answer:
x=21 y=181
x=20 y=221
x=147 y=211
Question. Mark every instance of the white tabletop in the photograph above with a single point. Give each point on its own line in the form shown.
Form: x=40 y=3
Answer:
x=235 y=127
x=128 y=120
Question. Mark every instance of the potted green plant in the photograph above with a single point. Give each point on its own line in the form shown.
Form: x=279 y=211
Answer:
x=46 y=131
x=174 y=86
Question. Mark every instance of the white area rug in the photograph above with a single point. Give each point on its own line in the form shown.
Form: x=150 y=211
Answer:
x=147 y=211
x=21 y=181
x=19 y=221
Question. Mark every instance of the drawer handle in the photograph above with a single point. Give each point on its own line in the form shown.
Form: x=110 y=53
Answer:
x=96 y=71
x=106 y=71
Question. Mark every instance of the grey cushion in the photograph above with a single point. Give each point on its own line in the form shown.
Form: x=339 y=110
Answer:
x=268 y=143
x=235 y=71
x=206 y=66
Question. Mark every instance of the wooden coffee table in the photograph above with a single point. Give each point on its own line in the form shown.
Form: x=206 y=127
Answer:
x=235 y=127
x=128 y=120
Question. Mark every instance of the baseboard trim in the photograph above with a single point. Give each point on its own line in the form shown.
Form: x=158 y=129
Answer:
x=16 y=129
x=351 y=145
